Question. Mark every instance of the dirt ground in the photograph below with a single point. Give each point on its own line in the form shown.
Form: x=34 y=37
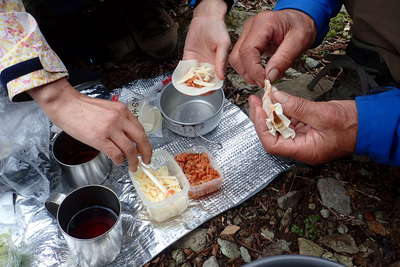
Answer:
x=265 y=228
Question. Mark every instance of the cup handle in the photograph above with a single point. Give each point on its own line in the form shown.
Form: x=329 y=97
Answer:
x=53 y=203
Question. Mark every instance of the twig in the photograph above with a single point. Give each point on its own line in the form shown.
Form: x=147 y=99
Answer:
x=368 y=195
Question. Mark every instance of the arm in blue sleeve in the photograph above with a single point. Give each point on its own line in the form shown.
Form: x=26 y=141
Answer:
x=321 y=11
x=379 y=127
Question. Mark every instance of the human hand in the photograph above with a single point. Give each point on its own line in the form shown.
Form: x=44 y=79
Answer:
x=105 y=125
x=208 y=39
x=284 y=35
x=324 y=130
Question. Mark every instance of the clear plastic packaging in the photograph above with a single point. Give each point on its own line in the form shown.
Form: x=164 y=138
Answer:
x=172 y=206
x=205 y=188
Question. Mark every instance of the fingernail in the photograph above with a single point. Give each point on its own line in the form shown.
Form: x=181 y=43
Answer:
x=280 y=97
x=273 y=75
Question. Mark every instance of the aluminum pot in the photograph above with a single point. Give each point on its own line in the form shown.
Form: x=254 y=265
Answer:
x=191 y=116
x=293 y=261
x=81 y=164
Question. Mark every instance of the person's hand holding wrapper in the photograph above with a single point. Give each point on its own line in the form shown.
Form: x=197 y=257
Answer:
x=207 y=39
x=324 y=130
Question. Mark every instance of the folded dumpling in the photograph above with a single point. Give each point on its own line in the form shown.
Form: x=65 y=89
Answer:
x=276 y=120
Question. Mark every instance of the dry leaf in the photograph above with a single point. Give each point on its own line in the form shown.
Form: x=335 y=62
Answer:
x=230 y=230
x=377 y=228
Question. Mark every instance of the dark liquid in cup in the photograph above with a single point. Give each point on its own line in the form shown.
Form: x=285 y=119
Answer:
x=91 y=222
x=72 y=152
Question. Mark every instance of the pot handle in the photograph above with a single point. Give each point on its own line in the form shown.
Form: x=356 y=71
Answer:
x=53 y=203
x=217 y=144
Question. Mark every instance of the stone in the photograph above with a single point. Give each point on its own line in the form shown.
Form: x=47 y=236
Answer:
x=245 y=254
x=324 y=213
x=340 y=243
x=346 y=261
x=298 y=87
x=186 y=264
x=334 y=195
x=290 y=200
x=237 y=220
x=178 y=256
x=277 y=248
x=236 y=18
x=267 y=234
x=312 y=206
x=211 y=262
x=311 y=63
x=229 y=249
x=230 y=230
x=286 y=218
x=328 y=256
x=309 y=248
x=238 y=82
x=342 y=229
x=292 y=73
x=196 y=240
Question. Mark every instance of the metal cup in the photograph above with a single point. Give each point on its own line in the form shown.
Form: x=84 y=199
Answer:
x=80 y=163
x=101 y=249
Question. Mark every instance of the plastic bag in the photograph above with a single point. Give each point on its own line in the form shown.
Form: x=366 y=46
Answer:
x=11 y=255
x=24 y=149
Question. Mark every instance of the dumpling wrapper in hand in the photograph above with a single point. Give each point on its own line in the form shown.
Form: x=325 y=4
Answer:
x=276 y=120
x=184 y=72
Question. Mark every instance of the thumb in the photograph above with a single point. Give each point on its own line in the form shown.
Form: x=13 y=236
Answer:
x=299 y=108
x=220 y=60
x=284 y=56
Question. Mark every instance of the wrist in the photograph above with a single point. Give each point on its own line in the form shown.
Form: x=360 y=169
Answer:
x=51 y=97
x=211 y=8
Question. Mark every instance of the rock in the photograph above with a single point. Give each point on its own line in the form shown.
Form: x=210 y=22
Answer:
x=340 y=243
x=377 y=228
x=328 y=256
x=292 y=73
x=229 y=249
x=178 y=256
x=290 y=200
x=346 y=261
x=342 y=229
x=311 y=63
x=298 y=87
x=171 y=263
x=239 y=83
x=267 y=234
x=236 y=18
x=237 y=220
x=312 y=206
x=286 y=218
x=230 y=230
x=245 y=254
x=277 y=248
x=324 y=213
x=186 y=264
x=309 y=248
x=211 y=262
x=196 y=240
x=334 y=195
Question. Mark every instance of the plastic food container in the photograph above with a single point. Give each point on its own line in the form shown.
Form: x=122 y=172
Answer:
x=174 y=205
x=197 y=191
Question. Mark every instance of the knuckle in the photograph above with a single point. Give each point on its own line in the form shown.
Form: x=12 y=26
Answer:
x=299 y=107
x=119 y=107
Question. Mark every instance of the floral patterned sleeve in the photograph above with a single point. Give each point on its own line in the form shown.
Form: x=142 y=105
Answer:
x=26 y=60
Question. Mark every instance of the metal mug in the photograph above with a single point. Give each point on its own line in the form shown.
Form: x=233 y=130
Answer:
x=81 y=164
x=96 y=251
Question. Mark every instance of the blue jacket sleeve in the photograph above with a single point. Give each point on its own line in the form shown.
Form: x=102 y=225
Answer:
x=321 y=11
x=379 y=127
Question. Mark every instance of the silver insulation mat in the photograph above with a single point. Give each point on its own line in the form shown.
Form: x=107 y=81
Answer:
x=246 y=167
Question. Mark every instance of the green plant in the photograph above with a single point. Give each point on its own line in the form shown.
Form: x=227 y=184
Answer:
x=297 y=230
x=310 y=225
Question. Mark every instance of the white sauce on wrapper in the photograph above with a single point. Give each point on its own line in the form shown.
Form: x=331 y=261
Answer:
x=276 y=120
x=188 y=69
